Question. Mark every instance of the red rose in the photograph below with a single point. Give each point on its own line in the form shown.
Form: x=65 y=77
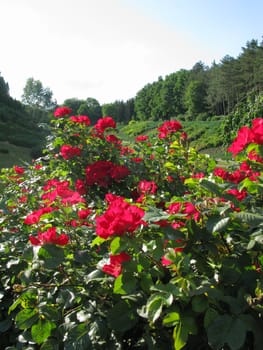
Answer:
x=18 y=169
x=118 y=172
x=103 y=172
x=145 y=186
x=257 y=131
x=99 y=173
x=68 y=152
x=62 y=111
x=244 y=137
x=114 y=268
x=35 y=216
x=168 y=128
x=119 y=218
x=252 y=155
x=80 y=186
x=84 y=213
x=103 y=124
x=82 y=119
x=221 y=173
x=113 y=139
x=141 y=138
x=240 y=195
x=49 y=236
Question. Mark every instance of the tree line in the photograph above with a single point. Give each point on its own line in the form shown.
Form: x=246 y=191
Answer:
x=200 y=92
x=204 y=90
x=196 y=93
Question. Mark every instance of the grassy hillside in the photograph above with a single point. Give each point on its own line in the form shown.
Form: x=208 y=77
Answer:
x=205 y=136
x=13 y=155
x=21 y=138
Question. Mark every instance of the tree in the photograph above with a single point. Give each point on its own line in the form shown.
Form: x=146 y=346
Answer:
x=4 y=88
x=142 y=103
x=251 y=61
x=172 y=92
x=91 y=108
x=34 y=94
x=120 y=111
x=215 y=93
x=195 y=97
x=74 y=104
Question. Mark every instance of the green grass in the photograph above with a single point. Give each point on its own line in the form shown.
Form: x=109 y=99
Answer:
x=11 y=155
x=205 y=136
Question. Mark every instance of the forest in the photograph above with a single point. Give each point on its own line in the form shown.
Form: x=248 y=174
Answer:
x=230 y=88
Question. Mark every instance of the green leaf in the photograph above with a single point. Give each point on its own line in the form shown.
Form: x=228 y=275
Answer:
x=199 y=303
x=50 y=344
x=210 y=315
x=42 y=330
x=124 y=284
x=52 y=255
x=96 y=275
x=211 y=187
x=180 y=337
x=97 y=241
x=50 y=312
x=254 y=326
x=189 y=325
x=258 y=238
x=251 y=244
x=252 y=219
x=217 y=224
x=186 y=326
x=227 y=330
x=28 y=253
x=154 y=308
x=170 y=166
x=78 y=338
x=14 y=305
x=122 y=316
x=155 y=214
x=171 y=319
x=26 y=318
x=115 y=245
x=146 y=281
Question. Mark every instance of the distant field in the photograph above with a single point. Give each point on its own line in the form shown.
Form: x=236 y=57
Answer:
x=205 y=136
x=11 y=155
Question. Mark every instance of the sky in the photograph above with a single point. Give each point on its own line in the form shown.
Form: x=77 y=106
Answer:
x=110 y=49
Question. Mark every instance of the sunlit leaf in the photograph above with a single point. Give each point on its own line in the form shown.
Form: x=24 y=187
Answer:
x=41 y=330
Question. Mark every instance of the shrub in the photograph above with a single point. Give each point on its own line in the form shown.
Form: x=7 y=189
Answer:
x=143 y=247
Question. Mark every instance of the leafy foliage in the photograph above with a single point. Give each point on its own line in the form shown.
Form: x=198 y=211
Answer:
x=34 y=94
x=146 y=245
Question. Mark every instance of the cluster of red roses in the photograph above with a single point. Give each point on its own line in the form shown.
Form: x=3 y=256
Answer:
x=168 y=128
x=103 y=173
x=68 y=151
x=49 y=236
x=56 y=193
x=121 y=217
x=245 y=171
x=248 y=135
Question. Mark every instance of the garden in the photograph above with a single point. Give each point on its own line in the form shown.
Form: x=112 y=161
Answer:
x=149 y=244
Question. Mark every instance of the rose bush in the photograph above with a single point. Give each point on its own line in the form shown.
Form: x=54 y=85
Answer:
x=148 y=245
